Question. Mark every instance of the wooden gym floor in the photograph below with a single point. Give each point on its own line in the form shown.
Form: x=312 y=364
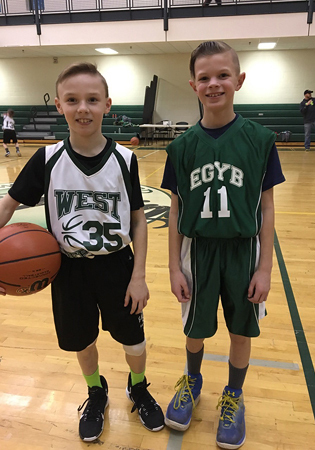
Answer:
x=41 y=386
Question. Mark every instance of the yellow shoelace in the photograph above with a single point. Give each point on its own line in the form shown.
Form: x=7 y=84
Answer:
x=184 y=386
x=229 y=407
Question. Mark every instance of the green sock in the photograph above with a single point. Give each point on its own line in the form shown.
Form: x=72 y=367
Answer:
x=93 y=380
x=136 y=377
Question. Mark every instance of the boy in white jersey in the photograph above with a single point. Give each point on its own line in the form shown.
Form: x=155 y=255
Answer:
x=9 y=133
x=221 y=173
x=93 y=206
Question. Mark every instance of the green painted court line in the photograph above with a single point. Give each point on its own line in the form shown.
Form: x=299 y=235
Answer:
x=306 y=359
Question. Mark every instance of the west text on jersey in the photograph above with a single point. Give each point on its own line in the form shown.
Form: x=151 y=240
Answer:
x=73 y=200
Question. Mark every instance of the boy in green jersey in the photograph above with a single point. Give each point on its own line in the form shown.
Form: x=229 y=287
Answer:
x=221 y=173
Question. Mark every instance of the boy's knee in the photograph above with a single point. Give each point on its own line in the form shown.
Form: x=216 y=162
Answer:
x=194 y=345
x=135 y=350
x=238 y=339
x=88 y=350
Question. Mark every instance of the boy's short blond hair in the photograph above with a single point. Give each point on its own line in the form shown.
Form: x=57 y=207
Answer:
x=78 y=68
x=212 y=48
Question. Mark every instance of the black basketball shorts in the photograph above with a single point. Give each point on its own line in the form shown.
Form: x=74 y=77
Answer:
x=8 y=136
x=86 y=288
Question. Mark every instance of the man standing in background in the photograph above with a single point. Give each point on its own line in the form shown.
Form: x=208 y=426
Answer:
x=307 y=108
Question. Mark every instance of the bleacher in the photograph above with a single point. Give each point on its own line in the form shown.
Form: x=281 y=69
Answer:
x=36 y=123
x=277 y=117
x=40 y=122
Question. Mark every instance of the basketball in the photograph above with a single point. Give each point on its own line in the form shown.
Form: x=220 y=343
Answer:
x=29 y=258
x=134 y=141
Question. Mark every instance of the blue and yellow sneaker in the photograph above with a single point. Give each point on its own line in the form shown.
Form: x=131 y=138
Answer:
x=179 y=411
x=231 y=430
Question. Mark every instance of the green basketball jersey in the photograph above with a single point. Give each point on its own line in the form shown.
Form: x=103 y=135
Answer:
x=220 y=180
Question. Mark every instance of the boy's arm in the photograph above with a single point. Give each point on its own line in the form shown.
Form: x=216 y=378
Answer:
x=7 y=207
x=260 y=283
x=137 y=289
x=179 y=285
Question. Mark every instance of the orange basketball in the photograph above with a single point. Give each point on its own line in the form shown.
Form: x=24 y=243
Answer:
x=134 y=141
x=29 y=258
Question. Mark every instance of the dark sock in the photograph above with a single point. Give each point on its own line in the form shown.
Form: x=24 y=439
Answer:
x=194 y=361
x=236 y=376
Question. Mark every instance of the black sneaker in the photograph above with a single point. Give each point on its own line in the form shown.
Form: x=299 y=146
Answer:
x=92 y=419
x=149 y=410
x=7 y=153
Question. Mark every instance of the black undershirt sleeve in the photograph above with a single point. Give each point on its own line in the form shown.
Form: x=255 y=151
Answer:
x=136 y=198
x=29 y=186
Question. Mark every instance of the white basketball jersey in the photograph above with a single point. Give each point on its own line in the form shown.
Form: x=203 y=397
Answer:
x=88 y=210
x=8 y=123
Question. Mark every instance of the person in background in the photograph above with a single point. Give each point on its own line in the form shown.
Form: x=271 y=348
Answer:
x=9 y=133
x=307 y=108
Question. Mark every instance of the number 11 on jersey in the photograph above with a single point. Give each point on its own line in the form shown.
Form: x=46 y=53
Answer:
x=206 y=212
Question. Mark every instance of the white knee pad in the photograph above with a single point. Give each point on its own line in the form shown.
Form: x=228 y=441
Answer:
x=135 y=350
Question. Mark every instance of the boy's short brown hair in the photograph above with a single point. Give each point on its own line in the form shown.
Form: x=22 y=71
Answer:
x=78 y=68
x=212 y=48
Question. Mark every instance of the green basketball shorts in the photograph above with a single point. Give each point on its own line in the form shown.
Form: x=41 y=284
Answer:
x=220 y=268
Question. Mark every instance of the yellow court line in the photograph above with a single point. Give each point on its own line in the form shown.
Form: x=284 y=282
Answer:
x=148 y=154
x=296 y=213
x=162 y=167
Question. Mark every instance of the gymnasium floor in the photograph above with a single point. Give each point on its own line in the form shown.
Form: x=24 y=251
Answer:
x=41 y=386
